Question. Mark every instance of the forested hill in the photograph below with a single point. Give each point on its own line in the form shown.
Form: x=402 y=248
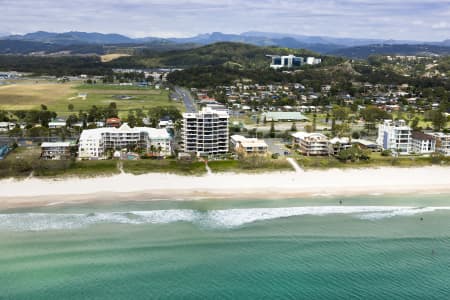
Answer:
x=225 y=53
x=363 y=52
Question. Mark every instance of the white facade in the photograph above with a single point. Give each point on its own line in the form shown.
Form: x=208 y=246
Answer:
x=442 y=142
x=423 y=143
x=248 y=145
x=395 y=136
x=338 y=144
x=94 y=143
x=6 y=126
x=313 y=61
x=311 y=143
x=205 y=132
x=290 y=61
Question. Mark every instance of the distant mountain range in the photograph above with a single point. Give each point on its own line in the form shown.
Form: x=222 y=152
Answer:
x=351 y=47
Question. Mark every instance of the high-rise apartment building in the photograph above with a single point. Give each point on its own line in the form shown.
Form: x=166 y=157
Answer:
x=205 y=133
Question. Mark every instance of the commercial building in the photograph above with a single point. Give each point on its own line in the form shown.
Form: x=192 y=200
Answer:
x=205 y=133
x=311 y=144
x=245 y=145
x=279 y=116
x=423 y=143
x=291 y=61
x=56 y=151
x=395 y=136
x=98 y=143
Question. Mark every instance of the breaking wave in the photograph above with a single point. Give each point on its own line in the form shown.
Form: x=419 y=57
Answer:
x=229 y=218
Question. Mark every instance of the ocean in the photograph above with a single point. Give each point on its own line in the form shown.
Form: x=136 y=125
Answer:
x=323 y=247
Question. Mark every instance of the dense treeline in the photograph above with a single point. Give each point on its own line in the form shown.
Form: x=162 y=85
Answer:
x=55 y=66
x=236 y=54
x=27 y=47
x=210 y=76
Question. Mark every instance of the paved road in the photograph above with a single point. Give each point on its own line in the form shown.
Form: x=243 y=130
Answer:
x=276 y=146
x=187 y=99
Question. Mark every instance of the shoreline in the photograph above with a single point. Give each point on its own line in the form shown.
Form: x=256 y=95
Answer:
x=282 y=185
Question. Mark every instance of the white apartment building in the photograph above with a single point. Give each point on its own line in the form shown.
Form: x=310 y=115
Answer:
x=442 y=142
x=311 y=144
x=313 y=61
x=248 y=145
x=95 y=143
x=205 y=133
x=423 y=143
x=395 y=136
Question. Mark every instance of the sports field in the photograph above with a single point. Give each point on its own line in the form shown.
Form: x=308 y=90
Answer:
x=58 y=96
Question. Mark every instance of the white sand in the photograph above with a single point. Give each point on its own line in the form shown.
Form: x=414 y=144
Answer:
x=269 y=185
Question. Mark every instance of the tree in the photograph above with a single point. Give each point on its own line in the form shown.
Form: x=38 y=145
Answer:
x=415 y=123
x=70 y=107
x=72 y=119
x=272 y=129
x=353 y=154
x=340 y=113
x=438 y=119
x=314 y=122
x=132 y=119
x=294 y=127
x=373 y=114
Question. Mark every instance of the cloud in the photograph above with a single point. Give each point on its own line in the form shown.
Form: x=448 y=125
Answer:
x=441 y=25
x=387 y=19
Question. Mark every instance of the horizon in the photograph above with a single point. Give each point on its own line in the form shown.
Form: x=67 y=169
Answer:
x=385 y=20
x=282 y=35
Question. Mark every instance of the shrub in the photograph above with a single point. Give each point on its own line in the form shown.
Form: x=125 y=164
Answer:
x=386 y=153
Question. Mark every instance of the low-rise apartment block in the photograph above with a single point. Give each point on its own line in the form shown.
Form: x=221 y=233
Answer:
x=245 y=145
x=311 y=144
x=442 y=142
x=56 y=151
x=423 y=143
x=96 y=143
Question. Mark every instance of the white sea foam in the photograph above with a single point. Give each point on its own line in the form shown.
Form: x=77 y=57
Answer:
x=229 y=218
x=404 y=212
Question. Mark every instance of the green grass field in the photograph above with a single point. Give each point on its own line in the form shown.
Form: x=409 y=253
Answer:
x=58 y=96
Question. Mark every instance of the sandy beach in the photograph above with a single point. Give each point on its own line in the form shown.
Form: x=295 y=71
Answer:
x=155 y=186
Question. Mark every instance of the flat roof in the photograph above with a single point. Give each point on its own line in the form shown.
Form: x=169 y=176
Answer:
x=281 y=115
x=55 y=144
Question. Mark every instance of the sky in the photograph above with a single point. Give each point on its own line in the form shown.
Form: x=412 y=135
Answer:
x=425 y=20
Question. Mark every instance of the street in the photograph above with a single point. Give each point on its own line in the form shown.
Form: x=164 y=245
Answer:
x=187 y=99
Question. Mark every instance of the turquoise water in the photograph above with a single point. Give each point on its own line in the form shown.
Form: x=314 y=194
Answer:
x=372 y=247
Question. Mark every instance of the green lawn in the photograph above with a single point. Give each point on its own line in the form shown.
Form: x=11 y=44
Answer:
x=58 y=96
x=140 y=98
